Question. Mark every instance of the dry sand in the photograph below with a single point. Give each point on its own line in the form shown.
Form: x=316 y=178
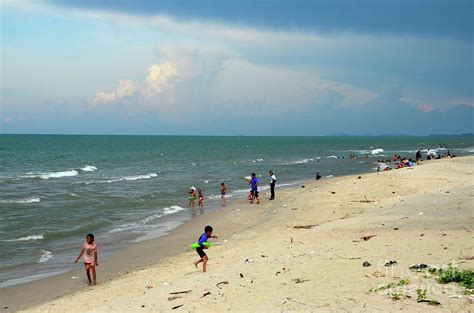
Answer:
x=263 y=263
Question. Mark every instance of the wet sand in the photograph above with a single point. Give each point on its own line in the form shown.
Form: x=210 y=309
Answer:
x=261 y=262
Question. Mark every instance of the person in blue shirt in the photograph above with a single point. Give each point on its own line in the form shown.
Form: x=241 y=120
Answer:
x=254 y=190
x=200 y=250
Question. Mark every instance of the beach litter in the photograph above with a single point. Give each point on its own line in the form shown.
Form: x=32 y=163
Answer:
x=241 y=275
x=206 y=294
x=299 y=280
x=177 y=307
x=306 y=226
x=366 y=264
x=171 y=298
x=456 y=296
x=74 y=277
x=180 y=292
x=365 y=238
x=225 y=282
x=391 y=263
x=249 y=261
x=419 y=267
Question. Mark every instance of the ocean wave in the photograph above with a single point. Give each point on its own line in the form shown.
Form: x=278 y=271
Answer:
x=376 y=151
x=27 y=238
x=45 y=257
x=332 y=157
x=23 y=201
x=299 y=161
x=50 y=175
x=172 y=209
x=125 y=178
x=89 y=168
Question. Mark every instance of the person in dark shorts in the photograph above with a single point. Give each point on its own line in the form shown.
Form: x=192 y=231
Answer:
x=272 y=185
x=254 y=186
x=200 y=250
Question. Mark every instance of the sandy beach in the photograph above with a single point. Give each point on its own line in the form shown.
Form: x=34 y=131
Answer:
x=302 y=252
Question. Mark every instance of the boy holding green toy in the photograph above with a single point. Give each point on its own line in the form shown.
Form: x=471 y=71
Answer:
x=203 y=244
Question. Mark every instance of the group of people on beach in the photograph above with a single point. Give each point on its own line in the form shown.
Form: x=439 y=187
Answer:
x=253 y=195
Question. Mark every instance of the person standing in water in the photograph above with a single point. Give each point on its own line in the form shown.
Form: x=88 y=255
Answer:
x=272 y=184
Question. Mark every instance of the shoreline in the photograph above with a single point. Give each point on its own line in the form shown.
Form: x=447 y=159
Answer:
x=234 y=219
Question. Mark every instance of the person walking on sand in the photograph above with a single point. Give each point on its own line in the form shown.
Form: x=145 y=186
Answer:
x=89 y=250
x=203 y=258
x=272 y=184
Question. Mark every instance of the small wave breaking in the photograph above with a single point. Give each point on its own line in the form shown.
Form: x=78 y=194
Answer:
x=89 y=168
x=45 y=257
x=22 y=201
x=27 y=238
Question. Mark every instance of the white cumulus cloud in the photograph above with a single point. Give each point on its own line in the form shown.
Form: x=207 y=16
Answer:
x=125 y=88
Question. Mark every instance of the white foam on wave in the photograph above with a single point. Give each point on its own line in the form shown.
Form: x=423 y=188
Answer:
x=328 y=176
x=50 y=175
x=89 y=168
x=331 y=157
x=23 y=201
x=27 y=238
x=47 y=255
x=125 y=178
x=133 y=178
x=172 y=209
x=376 y=151
x=299 y=161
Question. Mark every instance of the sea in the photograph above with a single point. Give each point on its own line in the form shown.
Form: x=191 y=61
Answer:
x=54 y=189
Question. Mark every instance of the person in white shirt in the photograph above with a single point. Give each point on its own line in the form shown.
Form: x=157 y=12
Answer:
x=272 y=185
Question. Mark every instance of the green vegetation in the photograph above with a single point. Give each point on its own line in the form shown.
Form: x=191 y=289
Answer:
x=402 y=282
x=422 y=297
x=464 y=278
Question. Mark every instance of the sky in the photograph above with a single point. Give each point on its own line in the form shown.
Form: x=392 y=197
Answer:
x=221 y=67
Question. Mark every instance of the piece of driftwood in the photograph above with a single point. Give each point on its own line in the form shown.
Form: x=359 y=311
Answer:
x=206 y=294
x=174 y=297
x=177 y=307
x=365 y=238
x=364 y=201
x=305 y=226
x=179 y=292
x=225 y=282
x=299 y=280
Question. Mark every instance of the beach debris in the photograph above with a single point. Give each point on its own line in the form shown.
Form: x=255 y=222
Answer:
x=422 y=234
x=391 y=263
x=143 y=305
x=365 y=238
x=177 y=307
x=148 y=286
x=277 y=273
x=396 y=228
x=74 y=277
x=420 y=213
x=171 y=298
x=359 y=177
x=225 y=282
x=306 y=226
x=299 y=280
x=206 y=294
x=291 y=239
x=303 y=186
x=366 y=264
x=456 y=296
x=249 y=261
x=180 y=292
x=419 y=267
x=264 y=256
x=294 y=209
x=332 y=192
x=378 y=274
x=241 y=275
x=466 y=257
x=364 y=201
x=341 y=257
